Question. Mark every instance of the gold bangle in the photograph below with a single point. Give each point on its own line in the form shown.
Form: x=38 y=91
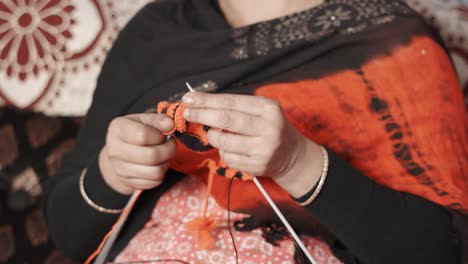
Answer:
x=90 y=202
x=321 y=182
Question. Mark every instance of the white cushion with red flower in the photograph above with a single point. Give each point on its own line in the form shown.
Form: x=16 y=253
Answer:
x=51 y=51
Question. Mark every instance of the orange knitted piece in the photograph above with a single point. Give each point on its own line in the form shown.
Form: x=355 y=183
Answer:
x=198 y=133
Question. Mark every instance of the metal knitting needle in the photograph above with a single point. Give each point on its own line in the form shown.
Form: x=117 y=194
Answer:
x=277 y=210
x=284 y=220
x=189 y=87
x=102 y=256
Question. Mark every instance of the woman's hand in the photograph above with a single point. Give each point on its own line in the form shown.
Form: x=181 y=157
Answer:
x=256 y=138
x=136 y=153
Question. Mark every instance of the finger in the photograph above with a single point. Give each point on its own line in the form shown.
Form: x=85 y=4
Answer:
x=131 y=170
x=143 y=155
x=132 y=131
x=141 y=184
x=159 y=121
x=236 y=122
x=243 y=163
x=229 y=142
x=254 y=105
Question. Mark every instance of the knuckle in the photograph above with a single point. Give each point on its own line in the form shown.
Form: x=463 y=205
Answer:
x=229 y=101
x=137 y=184
x=273 y=134
x=114 y=124
x=253 y=123
x=194 y=115
x=157 y=173
x=140 y=136
x=250 y=120
x=221 y=141
x=190 y=114
x=270 y=153
x=271 y=107
x=202 y=100
x=112 y=151
x=152 y=173
x=120 y=169
x=274 y=140
x=156 y=184
x=109 y=138
x=171 y=148
x=261 y=169
x=225 y=157
x=254 y=147
x=225 y=119
x=230 y=159
x=154 y=155
x=256 y=171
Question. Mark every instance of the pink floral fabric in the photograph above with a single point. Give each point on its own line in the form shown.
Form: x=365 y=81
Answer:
x=164 y=236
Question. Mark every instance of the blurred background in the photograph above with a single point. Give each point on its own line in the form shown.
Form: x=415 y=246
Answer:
x=51 y=52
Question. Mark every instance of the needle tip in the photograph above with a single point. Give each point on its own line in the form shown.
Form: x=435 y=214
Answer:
x=189 y=87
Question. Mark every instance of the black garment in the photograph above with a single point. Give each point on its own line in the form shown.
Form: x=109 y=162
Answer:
x=169 y=43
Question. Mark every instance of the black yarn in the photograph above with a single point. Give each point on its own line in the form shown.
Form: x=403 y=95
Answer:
x=229 y=219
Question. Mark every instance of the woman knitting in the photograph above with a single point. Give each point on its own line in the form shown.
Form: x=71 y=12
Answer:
x=348 y=111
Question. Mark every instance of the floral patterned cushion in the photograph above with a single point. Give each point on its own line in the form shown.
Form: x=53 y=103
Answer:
x=51 y=51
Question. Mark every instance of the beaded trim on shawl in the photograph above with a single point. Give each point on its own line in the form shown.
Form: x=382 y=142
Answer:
x=331 y=17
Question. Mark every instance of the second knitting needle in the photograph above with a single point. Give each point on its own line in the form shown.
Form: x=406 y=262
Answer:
x=277 y=210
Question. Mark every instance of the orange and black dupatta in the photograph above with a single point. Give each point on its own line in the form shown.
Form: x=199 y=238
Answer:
x=366 y=79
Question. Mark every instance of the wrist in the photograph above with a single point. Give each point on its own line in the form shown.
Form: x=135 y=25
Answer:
x=305 y=171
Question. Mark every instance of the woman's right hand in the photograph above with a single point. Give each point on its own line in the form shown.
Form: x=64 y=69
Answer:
x=136 y=153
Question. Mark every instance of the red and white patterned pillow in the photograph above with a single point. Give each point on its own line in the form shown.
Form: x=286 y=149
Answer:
x=51 y=51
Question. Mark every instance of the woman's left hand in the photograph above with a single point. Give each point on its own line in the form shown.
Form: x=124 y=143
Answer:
x=255 y=137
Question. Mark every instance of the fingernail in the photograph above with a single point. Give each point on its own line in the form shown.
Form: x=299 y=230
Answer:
x=166 y=121
x=186 y=113
x=188 y=98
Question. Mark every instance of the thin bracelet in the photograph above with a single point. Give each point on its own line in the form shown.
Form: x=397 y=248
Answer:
x=90 y=202
x=321 y=182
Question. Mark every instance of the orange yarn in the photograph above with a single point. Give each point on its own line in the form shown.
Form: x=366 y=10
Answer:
x=202 y=226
